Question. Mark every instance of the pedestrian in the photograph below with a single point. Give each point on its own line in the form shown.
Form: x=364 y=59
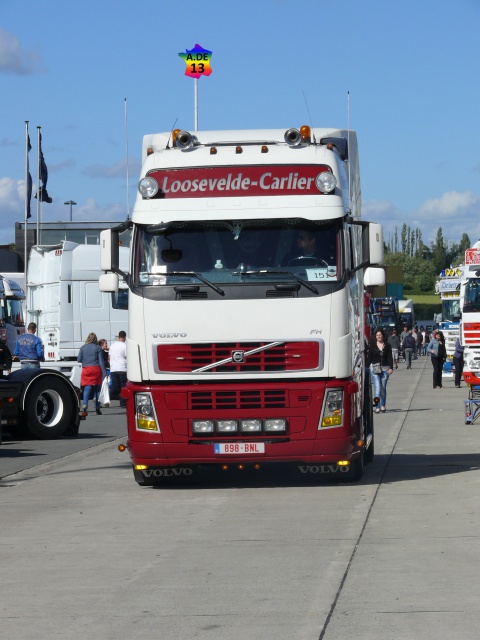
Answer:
x=436 y=349
x=419 y=342
x=118 y=367
x=402 y=338
x=5 y=361
x=29 y=348
x=379 y=359
x=93 y=372
x=103 y=344
x=408 y=346
x=394 y=342
x=458 y=362
x=415 y=337
x=426 y=340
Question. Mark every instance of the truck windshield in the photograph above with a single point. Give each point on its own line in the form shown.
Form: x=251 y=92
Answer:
x=451 y=310
x=472 y=295
x=223 y=251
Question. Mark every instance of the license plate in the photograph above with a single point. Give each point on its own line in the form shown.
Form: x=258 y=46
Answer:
x=239 y=447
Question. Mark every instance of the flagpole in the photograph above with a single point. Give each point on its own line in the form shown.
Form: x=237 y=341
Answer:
x=39 y=193
x=196 y=103
x=25 y=252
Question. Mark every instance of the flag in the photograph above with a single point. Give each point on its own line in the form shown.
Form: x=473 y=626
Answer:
x=28 y=186
x=44 y=197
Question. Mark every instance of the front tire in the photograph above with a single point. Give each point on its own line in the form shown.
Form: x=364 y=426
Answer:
x=49 y=408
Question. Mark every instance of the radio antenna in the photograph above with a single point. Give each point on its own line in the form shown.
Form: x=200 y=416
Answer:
x=348 y=152
x=310 y=117
x=171 y=131
x=126 y=145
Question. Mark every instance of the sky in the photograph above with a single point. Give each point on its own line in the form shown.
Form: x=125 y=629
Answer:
x=98 y=75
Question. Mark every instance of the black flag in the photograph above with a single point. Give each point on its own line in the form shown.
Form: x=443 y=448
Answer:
x=44 y=197
x=29 y=180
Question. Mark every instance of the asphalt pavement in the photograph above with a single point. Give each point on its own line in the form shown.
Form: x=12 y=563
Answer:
x=85 y=552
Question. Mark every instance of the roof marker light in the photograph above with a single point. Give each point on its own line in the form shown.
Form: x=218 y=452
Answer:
x=306 y=134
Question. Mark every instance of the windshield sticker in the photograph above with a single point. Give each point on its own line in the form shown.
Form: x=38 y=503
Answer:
x=321 y=273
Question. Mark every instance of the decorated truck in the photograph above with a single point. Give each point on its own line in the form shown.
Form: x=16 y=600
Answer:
x=248 y=263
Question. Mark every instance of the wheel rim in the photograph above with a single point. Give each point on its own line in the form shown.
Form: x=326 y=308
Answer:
x=49 y=408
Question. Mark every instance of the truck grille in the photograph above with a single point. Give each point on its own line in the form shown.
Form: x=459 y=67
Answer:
x=218 y=358
x=251 y=399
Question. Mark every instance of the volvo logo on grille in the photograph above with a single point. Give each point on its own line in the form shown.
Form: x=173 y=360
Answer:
x=238 y=356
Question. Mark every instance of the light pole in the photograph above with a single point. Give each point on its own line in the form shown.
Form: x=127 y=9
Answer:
x=71 y=203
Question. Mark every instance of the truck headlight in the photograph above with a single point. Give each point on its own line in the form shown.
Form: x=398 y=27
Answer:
x=250 y=425
x=148 y=187
x=203 y=426
x=275 y=425
x=333 y=409
x=227 y=426
x=144 y=412
x=325 y=182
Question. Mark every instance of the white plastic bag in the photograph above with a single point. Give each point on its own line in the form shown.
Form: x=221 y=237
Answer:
x=104 y=396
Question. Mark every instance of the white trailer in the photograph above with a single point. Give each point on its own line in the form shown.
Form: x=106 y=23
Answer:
x=64 y=300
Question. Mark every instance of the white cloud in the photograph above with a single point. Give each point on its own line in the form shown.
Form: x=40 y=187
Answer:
x=456 y=212
x=117 y=170
x=14 y=59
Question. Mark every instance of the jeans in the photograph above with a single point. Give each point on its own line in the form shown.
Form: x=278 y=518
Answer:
x=29 y=365
x=408 y=356
x=395 y=356
x=380 y=386
x=458 y=364
x=119 y=380
x=86 y=394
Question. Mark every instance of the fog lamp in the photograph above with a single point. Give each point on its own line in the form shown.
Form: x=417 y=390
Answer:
x=203 y=426
x=250 y=425
x=275 y=425
x=226 y=426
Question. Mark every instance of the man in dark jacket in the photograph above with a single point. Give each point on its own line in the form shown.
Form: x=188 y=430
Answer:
x=458 y=362
x=408 y=347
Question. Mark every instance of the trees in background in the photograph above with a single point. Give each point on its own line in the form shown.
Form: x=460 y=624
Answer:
x=423 y=263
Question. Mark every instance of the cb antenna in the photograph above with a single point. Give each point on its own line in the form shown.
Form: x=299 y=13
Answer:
x=171 y=131
x=348 y=152
x=126 y=145
x=309 y=116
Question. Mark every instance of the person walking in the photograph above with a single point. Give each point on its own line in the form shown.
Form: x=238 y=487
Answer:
x=415 y=337
x=103 y=344
x=93 y=372
x=402 y=338
x=379 y=359
x=29 y=349
x=419 y=342
x=394 y=342
x=458 y=362
x=436 y=349
x=408 y=347
x=118 y=367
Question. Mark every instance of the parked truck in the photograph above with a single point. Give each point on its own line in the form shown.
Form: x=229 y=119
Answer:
x=386 y=314
x=12 y=310
x=448 y=288
x=406 y=314
x=246 y=306
x=64 y=301
x=40 y=401
x=470 y=320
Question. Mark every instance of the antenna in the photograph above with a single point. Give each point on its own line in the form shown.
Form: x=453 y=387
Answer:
x=310 y=117
x=171 y=131
x=126 y=144
x=348 y=152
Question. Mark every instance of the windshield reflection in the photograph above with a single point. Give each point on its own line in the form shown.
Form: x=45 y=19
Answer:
x=224 y=250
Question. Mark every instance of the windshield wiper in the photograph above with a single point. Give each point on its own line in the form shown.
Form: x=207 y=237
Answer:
x=220 y=292
x=303 y=282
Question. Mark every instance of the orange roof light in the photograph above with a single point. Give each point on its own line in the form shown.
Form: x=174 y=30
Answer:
x=306 y=133
x=175 y=133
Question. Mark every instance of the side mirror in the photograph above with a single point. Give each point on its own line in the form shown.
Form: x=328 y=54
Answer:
x=108 y=282
x=374 y=277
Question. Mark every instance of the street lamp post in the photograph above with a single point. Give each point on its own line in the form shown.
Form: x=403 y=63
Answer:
x=71 y=203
